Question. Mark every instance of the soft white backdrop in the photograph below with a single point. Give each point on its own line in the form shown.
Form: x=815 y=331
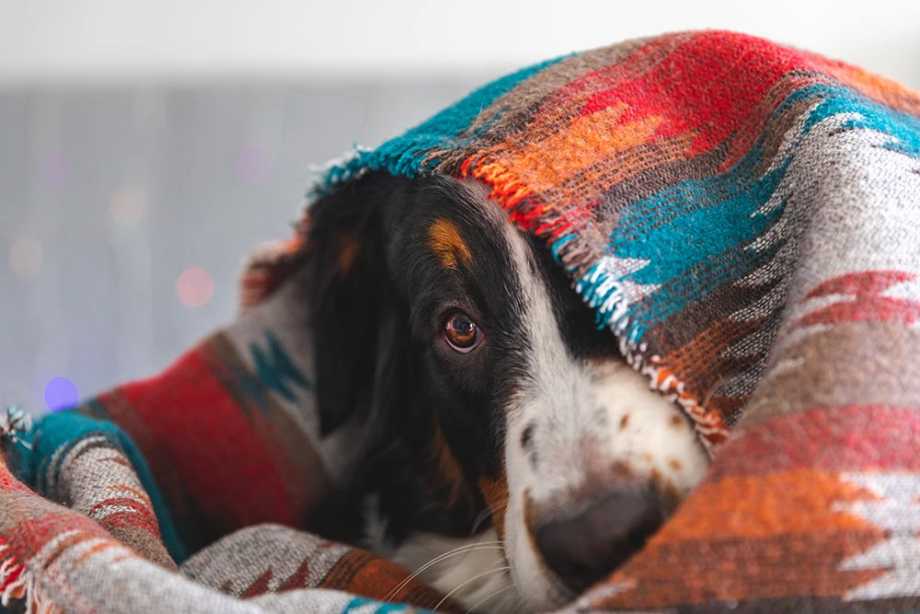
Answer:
x=129 y=38
x=147 y=145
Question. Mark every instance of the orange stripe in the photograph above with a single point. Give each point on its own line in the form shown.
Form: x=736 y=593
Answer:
x=796 y=501
x=583 y=142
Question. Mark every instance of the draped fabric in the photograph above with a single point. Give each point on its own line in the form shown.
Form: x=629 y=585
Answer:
x=743 y=218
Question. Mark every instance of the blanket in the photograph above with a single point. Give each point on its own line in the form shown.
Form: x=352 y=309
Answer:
x=743 y=218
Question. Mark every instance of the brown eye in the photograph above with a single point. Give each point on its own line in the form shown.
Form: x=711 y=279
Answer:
x=461 y=333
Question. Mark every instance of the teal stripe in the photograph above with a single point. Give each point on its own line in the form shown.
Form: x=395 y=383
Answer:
x=700 y=221
x=63 y=430
x=721 y=219
x=359 y=603
x=905 y=128
x=405 y=155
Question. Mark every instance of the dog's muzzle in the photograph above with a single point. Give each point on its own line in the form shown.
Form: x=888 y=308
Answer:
x=583 y=547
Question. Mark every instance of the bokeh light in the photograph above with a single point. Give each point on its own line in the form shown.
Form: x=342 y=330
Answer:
x=26 y=257
x=195 y=287
x=128 y=206
x=55 y=169
x=61 y=393
x=253 y=164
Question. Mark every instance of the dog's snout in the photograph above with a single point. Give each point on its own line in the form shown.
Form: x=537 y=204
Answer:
x=582 y=548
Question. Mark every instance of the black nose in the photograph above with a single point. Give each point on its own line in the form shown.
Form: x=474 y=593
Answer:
x=585 y=547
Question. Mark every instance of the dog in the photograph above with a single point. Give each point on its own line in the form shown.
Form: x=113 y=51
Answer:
x=515 y=457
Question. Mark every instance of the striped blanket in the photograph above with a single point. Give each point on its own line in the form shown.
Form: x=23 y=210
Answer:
x=743 y=217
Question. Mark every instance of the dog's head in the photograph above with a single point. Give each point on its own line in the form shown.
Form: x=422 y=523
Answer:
x=486 y=385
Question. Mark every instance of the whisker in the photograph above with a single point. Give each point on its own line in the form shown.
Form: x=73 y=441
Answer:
x=480 y=519
x=488 y=545
x=494 y=570
x=489 y=596
x=439 y=559
x=489 y=512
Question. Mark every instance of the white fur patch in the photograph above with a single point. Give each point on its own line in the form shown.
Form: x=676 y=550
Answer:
x=584 y=419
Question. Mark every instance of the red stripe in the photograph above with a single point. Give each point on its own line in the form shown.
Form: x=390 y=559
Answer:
x=138 y=515
x=8 y=481
x=863 y=300
x=196 y=436
x=863 y=308
x=701 y=87
x=847 y=438
x=8 y=557
x=861 y=282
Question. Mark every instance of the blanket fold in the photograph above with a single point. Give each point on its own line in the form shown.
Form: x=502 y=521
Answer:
x=743 y=218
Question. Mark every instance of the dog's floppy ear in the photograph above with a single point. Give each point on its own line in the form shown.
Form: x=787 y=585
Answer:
x=354 y=312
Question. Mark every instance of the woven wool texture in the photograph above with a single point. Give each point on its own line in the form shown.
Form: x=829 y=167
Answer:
x=743 y=217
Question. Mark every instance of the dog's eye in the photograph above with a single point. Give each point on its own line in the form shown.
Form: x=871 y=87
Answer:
x=461 y=333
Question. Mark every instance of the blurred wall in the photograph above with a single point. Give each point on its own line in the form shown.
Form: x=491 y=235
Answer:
x=130 y=38
x=146 y=147
x=128 y=209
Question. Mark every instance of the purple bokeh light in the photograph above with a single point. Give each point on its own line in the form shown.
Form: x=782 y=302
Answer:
x=61 y=393
x=253 y=164
x=55 y=169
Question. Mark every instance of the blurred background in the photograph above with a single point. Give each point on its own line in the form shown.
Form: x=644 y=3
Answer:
x=147 y=146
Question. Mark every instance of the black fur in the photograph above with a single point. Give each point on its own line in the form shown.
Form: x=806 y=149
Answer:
x=377 y=324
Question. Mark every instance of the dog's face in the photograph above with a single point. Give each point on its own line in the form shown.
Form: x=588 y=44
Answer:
x=489 y=393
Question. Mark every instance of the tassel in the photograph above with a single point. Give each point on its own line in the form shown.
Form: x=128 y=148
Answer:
x=14 y=423
x=13 y=577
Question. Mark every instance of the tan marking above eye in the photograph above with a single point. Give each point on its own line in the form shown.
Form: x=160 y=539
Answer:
x=348 y=252
x=445 y=241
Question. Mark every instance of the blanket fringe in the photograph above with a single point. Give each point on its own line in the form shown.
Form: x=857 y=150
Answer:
x=37 y=604
x=17 y=582
x=14 y=578
x=596 y=286
x=14 y=423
